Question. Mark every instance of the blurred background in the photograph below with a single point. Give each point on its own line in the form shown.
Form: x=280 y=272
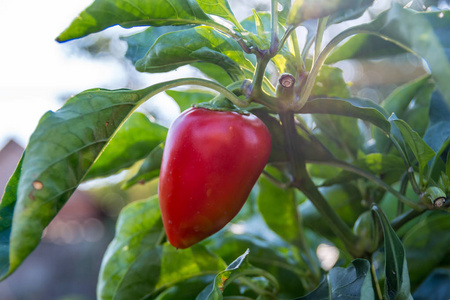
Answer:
x=38 y=74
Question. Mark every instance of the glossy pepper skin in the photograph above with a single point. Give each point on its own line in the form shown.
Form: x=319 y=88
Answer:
x=210 y=163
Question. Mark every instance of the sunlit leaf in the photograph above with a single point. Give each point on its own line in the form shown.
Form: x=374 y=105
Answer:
x=397 y=285
x=136 y=265
x=201 y=43
x=219 y=8
x=136 y=138
x=106 y=13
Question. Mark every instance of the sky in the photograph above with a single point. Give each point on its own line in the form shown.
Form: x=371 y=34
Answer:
x=37 y=73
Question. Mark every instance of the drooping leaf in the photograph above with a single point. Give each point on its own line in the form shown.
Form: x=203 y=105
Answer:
x=136 y=138
x=7 y=205
x=60 y=152
x=186 y=99
x=278 y=208
x=201 y=43
x=353 y=282
x=139 y=43
x=355 y=11
x=149 y=169
x=353 y=107
x=136 y=265
x=397 y=285
x=106 y=13
x=425 y=34
x=303 y=10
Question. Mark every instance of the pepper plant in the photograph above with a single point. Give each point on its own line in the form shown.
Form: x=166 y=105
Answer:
x=370 y=179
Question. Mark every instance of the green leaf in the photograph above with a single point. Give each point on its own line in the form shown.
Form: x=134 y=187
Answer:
x=149 y=169
x=353 y=282
x=364 y=46
x=425 y=34
x=355 y=11
x=60 y=152
x=329 y=83
x=137 y=266
x=303 y=10
x=136 y=138
x=214 y=72
x=278 y=208
x=354 y=107
x=422 y=152
x=425 y=245
x=105 y=13
x=435 y=287
x=219 y=8
x=398 y=102
x=7 y=205
x=388 y=166
x=185 y=99
x=139 y=43
x=201 y=43
x=438 y=131
x=397 y=285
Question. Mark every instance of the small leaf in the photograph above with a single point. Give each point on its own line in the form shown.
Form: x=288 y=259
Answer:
x=278 y=208
x=136 y=138
x=354 y=282
x=185 y=99
x=106 y=13
x=149 y=169
x=420 y=149
x=397 y=285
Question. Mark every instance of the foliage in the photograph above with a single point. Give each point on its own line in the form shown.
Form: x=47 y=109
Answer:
x=336 y=158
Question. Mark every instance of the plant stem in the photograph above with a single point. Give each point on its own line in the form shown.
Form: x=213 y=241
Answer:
x=274 y=29
x=297 y=53
x=303 y=182
x=378 y=292
x=405 y=218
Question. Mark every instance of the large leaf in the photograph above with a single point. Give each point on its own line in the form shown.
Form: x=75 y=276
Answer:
x=431 y=236
x=60 y=152
x=354 y=107
x=201 y=43
x=7 y=205
x=137 y=266
x=137 y=137
x=353 y=282
x=106 y=13
x=278 y=208
x=303 y=10
x=397 y=285
x=438 y=131
x=425 y=34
